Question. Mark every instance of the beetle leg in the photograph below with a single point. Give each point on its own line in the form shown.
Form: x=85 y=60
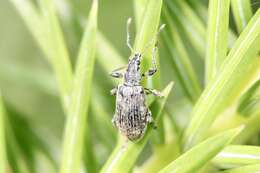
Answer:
x=150 y=120
x=116 y=74
x=114 y=120
x=153 y=91
x=113 y=91
x=152 y=70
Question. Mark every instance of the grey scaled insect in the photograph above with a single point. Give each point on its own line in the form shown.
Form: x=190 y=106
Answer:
x=132 y=115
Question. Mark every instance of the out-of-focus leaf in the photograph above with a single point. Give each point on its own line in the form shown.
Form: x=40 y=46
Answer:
x=191 y=24
x=139 y=9
x=47 y=32
x=20 y=76
x=59 y=56
x=180 y=60
x=162 y=156
x=128 y=152
x=33 y=20
x=251 y=128
x=23 y=142
x=238 y=70
x=244 y=169
x=199 y=155
x=107 y=56
x=217 y=36
x=250 y=101
x=237 y=155
x=80 y=97
x=242 y=13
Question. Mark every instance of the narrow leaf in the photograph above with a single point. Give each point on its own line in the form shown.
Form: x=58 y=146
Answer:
x=251 y=128
x=59 y=55
x=128 y=152
x=250 y=101
x=244 y=169
x=198 y=156
x=33 y=21
x=47 y=32
x=75 y=125
x=242 y=13
x=146 y=35
x=139 y=9
x=237 y=155
x=217 y=36
x=190 y=23
x=180 y=60
x=239 y=68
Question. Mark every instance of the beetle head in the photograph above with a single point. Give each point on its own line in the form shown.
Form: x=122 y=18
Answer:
x=132 y=75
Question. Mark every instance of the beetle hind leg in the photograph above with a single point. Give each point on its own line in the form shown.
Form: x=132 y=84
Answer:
x=150 y=120
x=114 y=120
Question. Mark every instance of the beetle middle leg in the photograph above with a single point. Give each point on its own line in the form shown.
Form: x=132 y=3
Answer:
x=150 y=120
x=153 y=91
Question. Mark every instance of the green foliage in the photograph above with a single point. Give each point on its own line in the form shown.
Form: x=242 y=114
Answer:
x=80 y=98
x=200 y=44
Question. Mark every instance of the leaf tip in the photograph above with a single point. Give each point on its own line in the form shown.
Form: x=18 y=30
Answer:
x=168 y=89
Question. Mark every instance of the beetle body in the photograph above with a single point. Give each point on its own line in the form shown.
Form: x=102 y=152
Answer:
x=132 y=115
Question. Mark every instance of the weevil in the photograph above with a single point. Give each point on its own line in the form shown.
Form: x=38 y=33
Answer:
x=132 y=114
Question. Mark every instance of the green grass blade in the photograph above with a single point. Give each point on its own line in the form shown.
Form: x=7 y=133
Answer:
x=128 y=152
x=217 y=36
x=242 y=13
x=237 y=155
x=198 y=156
x=244 y=169
x=139 y=9
x=150 y=22
x=33 y=21
x=147 y=33
x=47 y=32
x=238 y=69
x=75 y=125
x=190 y=23
x=180 y=60
x=162 y=156
x=251 y=128
x=3 y=156
x=59 y=54
x=250 y=101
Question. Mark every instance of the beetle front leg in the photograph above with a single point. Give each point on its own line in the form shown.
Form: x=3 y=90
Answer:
x=153 y=91
x=116 y=74
x=152 y=70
